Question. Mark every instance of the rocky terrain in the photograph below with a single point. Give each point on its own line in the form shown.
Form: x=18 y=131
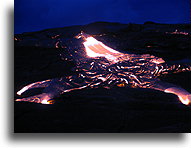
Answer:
x=53 y=53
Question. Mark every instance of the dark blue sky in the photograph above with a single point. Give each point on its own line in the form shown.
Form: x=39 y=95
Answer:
x=34 y=15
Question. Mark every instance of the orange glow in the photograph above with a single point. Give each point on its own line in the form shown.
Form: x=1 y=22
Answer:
x=121 y=85
x=56 y=36
x=23 y=89
x=95 y=48
x=44 y=102
x=158 y=60
x=56 y=45
x=120 y=69
x=184 y=100
x=45 y=99
x=183 y=96
x=178 y=32
x=30 y=86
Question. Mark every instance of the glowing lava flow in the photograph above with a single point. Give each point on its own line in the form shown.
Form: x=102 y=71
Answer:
x=178 y=32
x=44 y=102
x=183 y=96
x=115 y=69
x=95 y=48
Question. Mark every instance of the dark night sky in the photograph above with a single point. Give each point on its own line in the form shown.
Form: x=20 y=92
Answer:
x=34 y=15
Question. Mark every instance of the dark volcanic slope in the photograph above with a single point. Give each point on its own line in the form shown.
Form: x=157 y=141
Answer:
x=52 y=53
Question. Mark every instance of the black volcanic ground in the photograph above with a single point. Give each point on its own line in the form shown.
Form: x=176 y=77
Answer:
x=53 y=53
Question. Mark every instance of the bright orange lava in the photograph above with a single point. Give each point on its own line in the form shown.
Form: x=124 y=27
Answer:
x=95 y=48
x=45 y=102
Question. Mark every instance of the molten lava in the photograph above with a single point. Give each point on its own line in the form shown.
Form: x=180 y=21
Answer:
x=95 y=48
x=107 y=68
